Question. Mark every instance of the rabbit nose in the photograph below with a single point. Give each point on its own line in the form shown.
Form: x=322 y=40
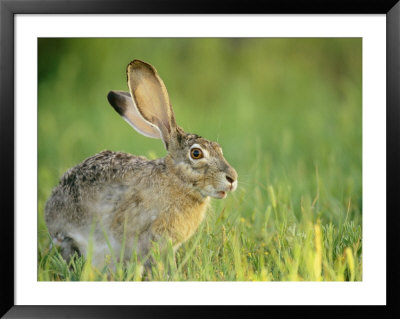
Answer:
x=229 y=179
x=232 y=183
x=231 y=176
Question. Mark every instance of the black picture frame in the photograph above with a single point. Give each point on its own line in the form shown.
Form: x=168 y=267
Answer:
x=8 y=10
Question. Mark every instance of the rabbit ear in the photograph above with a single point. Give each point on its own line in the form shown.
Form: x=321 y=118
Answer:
x=151 y=98
x=123 y=103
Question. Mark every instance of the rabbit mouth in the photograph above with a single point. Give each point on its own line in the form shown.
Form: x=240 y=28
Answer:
x=218 y=191
x=221 y=194
x=214 y=193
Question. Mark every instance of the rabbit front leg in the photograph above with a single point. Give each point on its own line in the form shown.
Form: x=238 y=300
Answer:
x=157 y=255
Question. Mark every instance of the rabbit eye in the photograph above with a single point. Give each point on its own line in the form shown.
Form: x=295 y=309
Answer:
x=196 y=153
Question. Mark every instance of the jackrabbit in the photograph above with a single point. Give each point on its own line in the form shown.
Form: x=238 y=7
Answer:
x=113 y=198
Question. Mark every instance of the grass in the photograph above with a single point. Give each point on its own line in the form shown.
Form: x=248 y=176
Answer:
x=287 y=113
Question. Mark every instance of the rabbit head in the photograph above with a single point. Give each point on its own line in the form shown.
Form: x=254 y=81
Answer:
x=147 y=108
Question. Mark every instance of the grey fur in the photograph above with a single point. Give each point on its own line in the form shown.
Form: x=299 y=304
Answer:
x=113 y=195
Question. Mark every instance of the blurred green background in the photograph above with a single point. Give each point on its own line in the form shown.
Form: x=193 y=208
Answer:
x=287 y=113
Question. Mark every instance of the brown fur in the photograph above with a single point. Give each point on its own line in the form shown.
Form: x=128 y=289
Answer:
x=118 y=197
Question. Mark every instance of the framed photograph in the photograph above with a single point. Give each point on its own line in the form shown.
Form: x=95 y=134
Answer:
x=157 y=155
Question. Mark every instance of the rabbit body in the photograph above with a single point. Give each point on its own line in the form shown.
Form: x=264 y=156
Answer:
x=121 y=200
x=117 y=191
